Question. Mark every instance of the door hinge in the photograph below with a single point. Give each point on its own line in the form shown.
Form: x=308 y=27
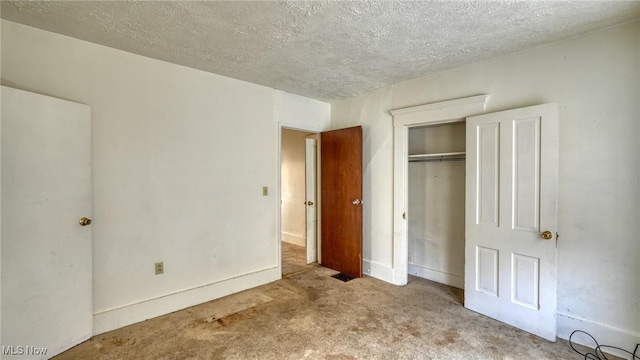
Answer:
x=404 y=215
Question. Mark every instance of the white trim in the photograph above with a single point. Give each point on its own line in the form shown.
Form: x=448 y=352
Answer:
x=442 y=277
x=439 y=112
x=400 y=205
x=404 y=118
x=471 y=100
x=294 y=239
x=298 y=127
x=603 y=333
x=118 y=317
x=378 y=270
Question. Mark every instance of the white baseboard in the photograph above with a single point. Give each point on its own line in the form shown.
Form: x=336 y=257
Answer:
x=293 y=239
x=130 y=314
x=437 y=276
x=604 y=334
x=377 y=270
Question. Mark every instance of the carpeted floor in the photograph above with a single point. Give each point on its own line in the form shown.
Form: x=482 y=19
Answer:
x=311 y=315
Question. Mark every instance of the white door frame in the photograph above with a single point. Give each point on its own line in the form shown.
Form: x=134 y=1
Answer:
x=428 y=114
x=297 y=127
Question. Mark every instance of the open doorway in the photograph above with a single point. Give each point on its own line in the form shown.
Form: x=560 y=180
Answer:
x=298 y=209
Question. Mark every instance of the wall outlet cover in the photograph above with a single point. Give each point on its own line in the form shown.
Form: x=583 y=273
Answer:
x=159 y=266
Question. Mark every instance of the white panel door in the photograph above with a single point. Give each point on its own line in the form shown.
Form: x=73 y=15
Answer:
x=46 y=253
x=312 y=206
x=510 y=269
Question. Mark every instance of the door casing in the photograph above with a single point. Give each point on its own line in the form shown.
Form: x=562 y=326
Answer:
x=429 y=114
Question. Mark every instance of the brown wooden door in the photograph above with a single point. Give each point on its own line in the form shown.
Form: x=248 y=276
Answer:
x=341 y=200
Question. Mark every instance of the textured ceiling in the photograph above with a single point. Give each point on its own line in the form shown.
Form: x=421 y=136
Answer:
x=321 y=49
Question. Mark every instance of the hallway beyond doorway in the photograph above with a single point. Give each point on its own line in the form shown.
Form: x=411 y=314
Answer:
x=294 y=259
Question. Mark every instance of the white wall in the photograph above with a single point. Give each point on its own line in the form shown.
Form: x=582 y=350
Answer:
x=301 y=113
x=180 y=157
x=293 y=195
x=595 y=80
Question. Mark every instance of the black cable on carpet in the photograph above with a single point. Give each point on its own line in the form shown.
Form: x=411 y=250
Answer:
x=599 y=355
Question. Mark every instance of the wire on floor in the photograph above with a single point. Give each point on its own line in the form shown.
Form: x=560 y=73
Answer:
x=598 y=354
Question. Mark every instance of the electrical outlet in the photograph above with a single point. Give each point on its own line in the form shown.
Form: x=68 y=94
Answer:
x=159 y=268
x=265 y=191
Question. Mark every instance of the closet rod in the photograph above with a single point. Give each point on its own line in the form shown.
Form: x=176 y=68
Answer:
x=445 y=156
x=440 y=159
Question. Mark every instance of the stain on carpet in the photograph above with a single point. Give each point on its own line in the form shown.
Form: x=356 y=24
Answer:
x=447 y=337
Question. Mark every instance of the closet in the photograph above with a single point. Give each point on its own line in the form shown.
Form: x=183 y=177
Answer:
x=436 y=202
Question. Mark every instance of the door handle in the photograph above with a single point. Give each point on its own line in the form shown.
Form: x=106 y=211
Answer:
x=547 y=235
x=310 y=203
x=84 y=221
x=357 y=202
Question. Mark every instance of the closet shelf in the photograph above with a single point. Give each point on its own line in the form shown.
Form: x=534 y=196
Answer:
x=448 y=156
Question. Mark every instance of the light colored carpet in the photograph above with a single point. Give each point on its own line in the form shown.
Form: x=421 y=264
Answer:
x=310 y=315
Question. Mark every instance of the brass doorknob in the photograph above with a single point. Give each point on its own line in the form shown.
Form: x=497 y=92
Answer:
x=310 y=203
x=547 y=235
x=84 y=221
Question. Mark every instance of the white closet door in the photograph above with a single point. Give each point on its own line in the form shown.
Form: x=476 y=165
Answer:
x=46 y=253
x=511 y=270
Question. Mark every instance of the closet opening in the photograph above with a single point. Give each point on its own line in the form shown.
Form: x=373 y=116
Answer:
x=436 y=202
